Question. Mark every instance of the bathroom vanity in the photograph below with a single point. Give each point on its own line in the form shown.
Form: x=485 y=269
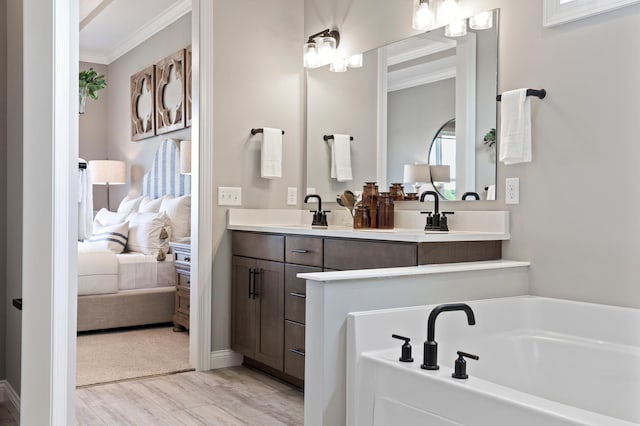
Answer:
x=271 y=247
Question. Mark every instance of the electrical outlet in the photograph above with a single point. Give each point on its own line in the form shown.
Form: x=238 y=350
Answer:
x=229 y=196
x=512 y=191
x=292 y=196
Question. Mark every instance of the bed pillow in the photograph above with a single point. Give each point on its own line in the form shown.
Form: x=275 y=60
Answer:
x=179 y=211
x=111 y=237
x=129 y=205
x=105 y=218
x=149 y=233
x=149 y=205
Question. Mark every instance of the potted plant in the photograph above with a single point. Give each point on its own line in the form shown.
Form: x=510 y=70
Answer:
x=90 y=84
x=490 y=138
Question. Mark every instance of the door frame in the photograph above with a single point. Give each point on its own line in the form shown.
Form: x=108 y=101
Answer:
x=50 y=143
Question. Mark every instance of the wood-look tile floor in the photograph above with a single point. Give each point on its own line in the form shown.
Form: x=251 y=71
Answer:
x=229 y=396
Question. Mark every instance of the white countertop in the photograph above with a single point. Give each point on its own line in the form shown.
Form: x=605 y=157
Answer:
x=336 y=276
x=468 y=226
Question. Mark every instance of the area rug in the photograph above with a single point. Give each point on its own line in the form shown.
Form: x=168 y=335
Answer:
x=119 y=355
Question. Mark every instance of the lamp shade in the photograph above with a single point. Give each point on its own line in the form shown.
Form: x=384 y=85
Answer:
x=416 y=173
x=185 y=157
x=105 y=172
x=441 y=173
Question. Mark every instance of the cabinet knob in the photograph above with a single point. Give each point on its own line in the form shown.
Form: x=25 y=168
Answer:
x=187 y=259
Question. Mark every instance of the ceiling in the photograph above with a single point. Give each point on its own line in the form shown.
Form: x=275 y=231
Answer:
x=110 y=28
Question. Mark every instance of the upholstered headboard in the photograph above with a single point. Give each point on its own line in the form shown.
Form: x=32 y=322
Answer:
x=164 y=177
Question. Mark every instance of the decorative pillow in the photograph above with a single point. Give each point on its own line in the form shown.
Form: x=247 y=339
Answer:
x=149 y=233
x=149 y=205
x=112 y=237
x=179 y=211
x=105 y=218
x=129 y=205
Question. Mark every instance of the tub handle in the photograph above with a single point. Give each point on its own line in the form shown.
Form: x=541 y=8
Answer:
x=460 y=370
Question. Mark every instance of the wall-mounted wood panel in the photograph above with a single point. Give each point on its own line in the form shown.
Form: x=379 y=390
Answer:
x=142 y=104
x=170 y=93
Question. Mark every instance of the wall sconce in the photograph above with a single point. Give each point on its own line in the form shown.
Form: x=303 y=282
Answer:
x=481 y=21
x=355 y=61
x=422 y=14
x=185 y=157
x=339 y=64
x=320 y=49
x=448 y=10
x=107 y=172
x=456 y=28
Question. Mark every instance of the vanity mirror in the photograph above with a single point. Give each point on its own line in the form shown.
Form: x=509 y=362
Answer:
x=394 y=106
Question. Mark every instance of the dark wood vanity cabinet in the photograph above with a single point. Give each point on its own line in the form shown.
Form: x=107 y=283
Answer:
x=269 y=300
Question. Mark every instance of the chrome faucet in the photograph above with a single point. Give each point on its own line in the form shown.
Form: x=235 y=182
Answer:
x=319 y=216
x=430 y=360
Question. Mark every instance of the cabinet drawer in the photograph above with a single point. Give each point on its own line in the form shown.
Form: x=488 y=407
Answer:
x=294 y=349
x=258 y=246
x=183 y=257
x=344 y=254
x=303 y=250
x=295 y=292
x=184 y=280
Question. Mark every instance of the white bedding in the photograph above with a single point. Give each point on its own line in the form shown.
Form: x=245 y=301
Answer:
x=100 y=271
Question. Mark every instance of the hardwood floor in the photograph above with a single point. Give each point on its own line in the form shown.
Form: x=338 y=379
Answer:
x=230 y=396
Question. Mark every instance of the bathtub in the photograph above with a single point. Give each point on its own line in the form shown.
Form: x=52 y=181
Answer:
x=542 y=362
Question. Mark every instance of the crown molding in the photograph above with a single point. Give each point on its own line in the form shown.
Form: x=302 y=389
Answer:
x=94 y=58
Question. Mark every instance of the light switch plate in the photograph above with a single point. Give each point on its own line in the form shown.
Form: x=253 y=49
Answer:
x=229 y=196
x=512 y=191
x=292 y=196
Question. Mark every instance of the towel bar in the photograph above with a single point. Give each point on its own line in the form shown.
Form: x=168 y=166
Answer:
x=530 y=92
x=327 y=137
x=259 y=130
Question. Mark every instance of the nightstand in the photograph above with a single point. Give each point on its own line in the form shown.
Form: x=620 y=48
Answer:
x=182 y=261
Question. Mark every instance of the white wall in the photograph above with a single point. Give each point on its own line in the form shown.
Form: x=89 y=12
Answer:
x=578 y=198
x=3 y=179
x=258 y=81
x=138 y=155
x=14 y=191
x=93 y=131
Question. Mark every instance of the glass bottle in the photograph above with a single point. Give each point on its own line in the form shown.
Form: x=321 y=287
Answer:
x=385 y=211
x=361 y=218
x=397 y=191
x=370 y=199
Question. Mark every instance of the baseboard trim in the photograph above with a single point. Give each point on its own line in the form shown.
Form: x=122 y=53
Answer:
x=225 y=358
x=7 y=393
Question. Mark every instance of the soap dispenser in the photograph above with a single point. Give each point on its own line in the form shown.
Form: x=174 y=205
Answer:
x=406 y=348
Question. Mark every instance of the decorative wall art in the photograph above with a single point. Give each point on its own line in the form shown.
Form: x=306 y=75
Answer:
x=556 y=12
x=142 y=104
x=170 y=93
x=188 y=84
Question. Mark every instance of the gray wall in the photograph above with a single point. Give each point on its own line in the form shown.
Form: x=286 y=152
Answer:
x=14 y=192
x=414 y=115
x=138 y=155
x=578 y=198
x=258 y=81
x=93 y=130
x=3 y=179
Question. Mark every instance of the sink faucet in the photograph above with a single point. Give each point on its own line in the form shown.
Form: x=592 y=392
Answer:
x=430 y=361
x=433 y=222
x=319 y=216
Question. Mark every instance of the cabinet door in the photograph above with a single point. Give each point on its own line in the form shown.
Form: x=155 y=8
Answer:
x=243 y=312
x=270 y=311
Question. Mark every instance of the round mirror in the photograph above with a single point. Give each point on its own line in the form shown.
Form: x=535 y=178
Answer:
x=442 y=160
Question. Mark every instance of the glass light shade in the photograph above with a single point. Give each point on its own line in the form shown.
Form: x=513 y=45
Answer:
x=422 y=15
x=310 y=55
x=481 y=21
x=457 y=28
x=185 y=157
x=448 y=11
x=355 y=61
x=326 y=49
x=339 y=64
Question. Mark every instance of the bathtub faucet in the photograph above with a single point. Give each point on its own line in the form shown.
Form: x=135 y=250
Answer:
x=430 y=360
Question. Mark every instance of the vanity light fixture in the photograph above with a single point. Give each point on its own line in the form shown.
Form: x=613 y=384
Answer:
x=448 y=11
x=355 y=61
x=320 y=49
x=456 y=28
x=481 y=21
x=339 y=64
x=423 y=16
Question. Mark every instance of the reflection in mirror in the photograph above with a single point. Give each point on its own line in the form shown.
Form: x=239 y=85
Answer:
x=442 y=159
x=394 y=106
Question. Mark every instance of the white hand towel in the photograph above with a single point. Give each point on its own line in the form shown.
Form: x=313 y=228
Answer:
x=341 y=158
x=515 y=127
x=271 y=155
x=491 y=192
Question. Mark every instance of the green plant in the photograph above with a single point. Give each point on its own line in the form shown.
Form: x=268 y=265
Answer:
x=490 y=137
x=92 y=82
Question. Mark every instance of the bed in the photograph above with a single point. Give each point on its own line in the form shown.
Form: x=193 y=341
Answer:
x=132 y=289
